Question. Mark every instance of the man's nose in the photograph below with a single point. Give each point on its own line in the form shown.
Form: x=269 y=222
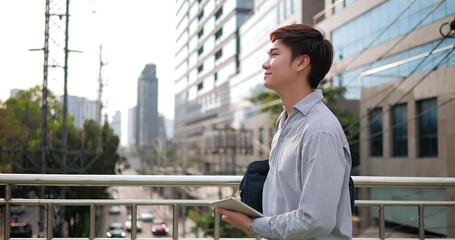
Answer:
x=266 y=65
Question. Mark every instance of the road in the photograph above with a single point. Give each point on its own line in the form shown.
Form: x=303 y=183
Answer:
x=162 y=212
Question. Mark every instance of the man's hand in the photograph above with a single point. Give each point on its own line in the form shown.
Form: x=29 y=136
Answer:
x=236 y=219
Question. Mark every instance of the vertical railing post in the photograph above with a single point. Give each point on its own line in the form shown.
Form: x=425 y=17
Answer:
x=92 y=221
x=133 y=221
x=175 y=222
x=50 y=222
x=217 y=226
x=7 y=212
x=381 y=222
x=421 y=222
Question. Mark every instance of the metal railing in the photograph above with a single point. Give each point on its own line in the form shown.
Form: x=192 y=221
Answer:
x=190 y=181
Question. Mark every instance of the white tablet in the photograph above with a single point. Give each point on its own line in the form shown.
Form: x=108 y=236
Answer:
x=236 y=205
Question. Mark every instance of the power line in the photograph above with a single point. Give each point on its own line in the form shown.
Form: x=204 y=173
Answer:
x=400 y=40
x=396 y=88
x=387 y=28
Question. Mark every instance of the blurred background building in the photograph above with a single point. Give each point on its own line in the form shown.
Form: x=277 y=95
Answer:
x=116 y=123
x=149 y=125
x=207 y=57
x=82 y=109
x=392 y=56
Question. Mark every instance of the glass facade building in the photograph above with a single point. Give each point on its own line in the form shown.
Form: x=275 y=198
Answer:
x=390 y=20
x=392 y=56
x=206 y=58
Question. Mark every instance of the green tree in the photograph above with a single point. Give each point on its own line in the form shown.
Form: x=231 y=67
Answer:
x=20 y=128
x=266 y=97
x=6 y=132
x=205 y=222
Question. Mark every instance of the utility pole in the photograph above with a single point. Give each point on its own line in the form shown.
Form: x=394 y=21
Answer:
x=52 y=52
x=44 y=113
x=100 y=95
x=55 y=61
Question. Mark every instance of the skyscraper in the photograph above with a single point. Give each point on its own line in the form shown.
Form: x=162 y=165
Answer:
x=116 y=123
x=207 y=56
x=148 y=122
x=131 y=140
x=82 y=109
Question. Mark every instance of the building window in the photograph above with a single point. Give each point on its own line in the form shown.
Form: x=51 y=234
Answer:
x=200 y=68
x=200 y=86
x=200 y=33
x=215 y=77
x=427 y=123
x=218 y=54
x=218 y=33
x=200 y=16
x=400 y=130
x=219 y=13
x=375 y=122
x=200 y=50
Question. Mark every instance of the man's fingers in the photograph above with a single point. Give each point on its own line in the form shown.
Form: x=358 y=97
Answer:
x=221 y=210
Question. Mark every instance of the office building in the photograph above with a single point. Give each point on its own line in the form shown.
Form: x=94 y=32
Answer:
x=392 y=56
x=82 y=109
x=131 y=130
x=207 y=57
x=148 y=122
x=13 y=92
x=116 y=123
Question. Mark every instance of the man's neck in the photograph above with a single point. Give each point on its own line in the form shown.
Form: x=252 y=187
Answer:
x=290 y=98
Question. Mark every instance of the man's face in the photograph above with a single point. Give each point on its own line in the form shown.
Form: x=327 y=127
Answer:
x=278 y=67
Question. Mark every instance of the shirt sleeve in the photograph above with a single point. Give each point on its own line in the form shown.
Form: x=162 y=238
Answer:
x=322 y=177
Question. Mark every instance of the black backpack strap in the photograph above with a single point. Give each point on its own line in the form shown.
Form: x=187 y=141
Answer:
x=352 y=193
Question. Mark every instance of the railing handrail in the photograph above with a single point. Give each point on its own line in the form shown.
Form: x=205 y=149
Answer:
x=191 y=181
x=200 y=180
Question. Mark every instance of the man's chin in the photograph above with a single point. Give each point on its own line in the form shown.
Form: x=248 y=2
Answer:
x=267 y=85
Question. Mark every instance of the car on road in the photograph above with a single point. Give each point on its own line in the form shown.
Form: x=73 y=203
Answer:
x=19 y=210
x=114 y=210
x=159 y=227
x=116 y=230
x=21 y=230
x=147 y=216
x=128 y=224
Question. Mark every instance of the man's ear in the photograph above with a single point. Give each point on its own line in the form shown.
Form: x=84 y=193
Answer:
x=303 y=62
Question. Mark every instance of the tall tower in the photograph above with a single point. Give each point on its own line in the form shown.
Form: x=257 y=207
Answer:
x=207 y=57
x=147 y=120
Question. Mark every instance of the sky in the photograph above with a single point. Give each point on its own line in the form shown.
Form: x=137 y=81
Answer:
x=132 y=33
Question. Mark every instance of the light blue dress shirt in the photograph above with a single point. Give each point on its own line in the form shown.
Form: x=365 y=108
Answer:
x=306 y=194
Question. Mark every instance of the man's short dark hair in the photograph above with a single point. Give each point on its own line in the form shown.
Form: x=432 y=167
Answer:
x=305 y=39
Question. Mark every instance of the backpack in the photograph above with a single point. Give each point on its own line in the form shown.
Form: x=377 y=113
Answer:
x=252 y=183
x=253 y=180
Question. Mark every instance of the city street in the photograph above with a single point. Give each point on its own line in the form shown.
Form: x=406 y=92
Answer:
x=162 y=212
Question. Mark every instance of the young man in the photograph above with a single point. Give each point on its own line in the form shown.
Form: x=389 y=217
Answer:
x=306 y=194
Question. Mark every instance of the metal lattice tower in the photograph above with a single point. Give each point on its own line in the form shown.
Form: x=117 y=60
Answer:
x=55 y=69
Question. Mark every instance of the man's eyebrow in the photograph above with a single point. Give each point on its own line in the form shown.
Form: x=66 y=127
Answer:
x=272 y=50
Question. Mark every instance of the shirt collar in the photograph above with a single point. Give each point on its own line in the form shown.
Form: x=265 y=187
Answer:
x=306 y=103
